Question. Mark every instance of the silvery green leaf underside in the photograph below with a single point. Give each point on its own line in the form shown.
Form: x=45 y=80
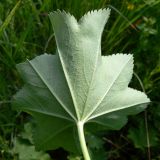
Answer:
x=77 y=83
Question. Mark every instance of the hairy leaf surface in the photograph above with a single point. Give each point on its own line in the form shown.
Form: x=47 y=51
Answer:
x=77 y=84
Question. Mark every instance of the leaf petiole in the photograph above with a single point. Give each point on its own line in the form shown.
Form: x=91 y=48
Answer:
x=82 y=140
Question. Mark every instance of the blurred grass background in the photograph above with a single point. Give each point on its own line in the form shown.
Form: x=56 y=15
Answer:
x=133 y=27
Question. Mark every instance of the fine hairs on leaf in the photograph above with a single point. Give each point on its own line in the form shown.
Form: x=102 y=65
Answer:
x=77 y=86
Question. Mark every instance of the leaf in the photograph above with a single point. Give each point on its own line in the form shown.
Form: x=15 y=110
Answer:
x=99 y=154
x=139 y=136
x=94 y=142
x=77 y=84
x=27 y=134
x=96 y=146
x=25 y=149
x=73 y=157
x=28 y=152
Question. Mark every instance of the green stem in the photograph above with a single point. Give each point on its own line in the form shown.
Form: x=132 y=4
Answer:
x=82 y=140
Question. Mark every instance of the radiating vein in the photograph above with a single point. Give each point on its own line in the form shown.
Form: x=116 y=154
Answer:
x=54 y=134
x=49 y=114
x=49 y=88
x=116 y=109
x=109 y=88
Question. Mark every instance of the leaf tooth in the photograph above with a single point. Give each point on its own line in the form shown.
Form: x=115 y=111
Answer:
x=63 y=14
x=129 y=54
x=92 y=12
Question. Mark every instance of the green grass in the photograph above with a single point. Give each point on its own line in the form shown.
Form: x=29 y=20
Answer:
x=25 y=31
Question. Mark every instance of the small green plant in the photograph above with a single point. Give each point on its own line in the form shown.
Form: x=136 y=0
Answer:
x=77 y=86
